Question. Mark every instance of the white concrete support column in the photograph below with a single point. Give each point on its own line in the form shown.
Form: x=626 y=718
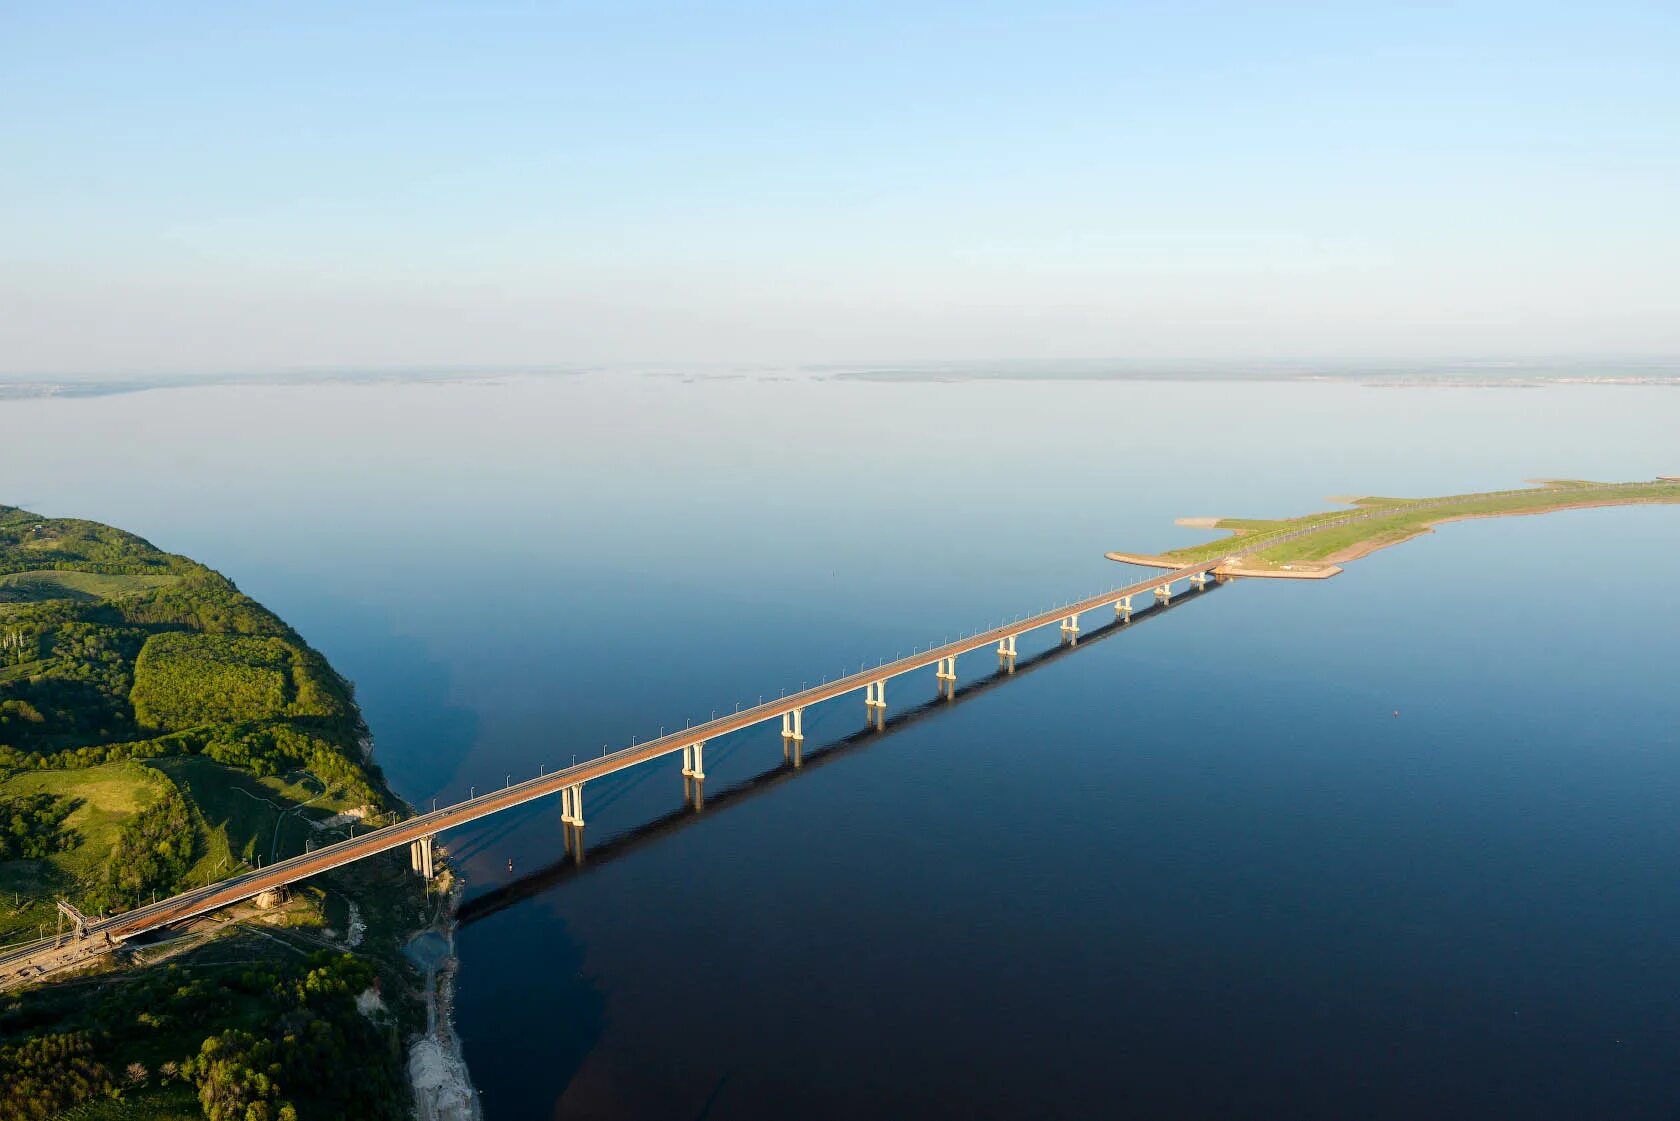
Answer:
x=699 y=761
x=792 y=724
x=1070 y=625
x=1163 y=593
x=1199 y=579
x=875 y=694
x=420 y=856
x=947 y=669
x=1123 y=605
x=1006 y=646
x=571 y=805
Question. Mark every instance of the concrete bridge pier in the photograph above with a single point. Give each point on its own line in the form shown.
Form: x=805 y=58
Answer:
x=1123 y=607
x=571 y=805
x=947 y=669
x=792 y=725
x=420 y=856
x=1163 y=593
x=1006 y=646
x=1199 y=579
x=875 y=694
x=694 y=773
x=1070 y=625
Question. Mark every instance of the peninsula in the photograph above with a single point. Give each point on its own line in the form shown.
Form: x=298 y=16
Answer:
x=159 y=731
x=1314 y=546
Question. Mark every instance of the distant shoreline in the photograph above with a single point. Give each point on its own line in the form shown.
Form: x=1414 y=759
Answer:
x=1663 y=373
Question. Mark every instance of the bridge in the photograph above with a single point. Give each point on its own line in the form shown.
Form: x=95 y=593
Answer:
x=419 y=832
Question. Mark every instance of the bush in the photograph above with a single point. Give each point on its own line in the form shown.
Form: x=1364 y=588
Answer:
x=31 y=826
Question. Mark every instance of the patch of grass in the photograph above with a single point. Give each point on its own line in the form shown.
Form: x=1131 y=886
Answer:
x=108 y=797
x=45 y=584
x=1392 y=520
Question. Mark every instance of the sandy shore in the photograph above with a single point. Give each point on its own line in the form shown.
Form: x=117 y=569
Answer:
x=443 y=1089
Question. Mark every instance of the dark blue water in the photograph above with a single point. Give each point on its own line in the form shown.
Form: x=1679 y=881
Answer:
x=1396 y=844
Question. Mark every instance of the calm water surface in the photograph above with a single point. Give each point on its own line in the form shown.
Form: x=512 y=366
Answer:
x=1398 y=844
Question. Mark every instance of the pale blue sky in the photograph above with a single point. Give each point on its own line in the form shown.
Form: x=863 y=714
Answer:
x=249 y=187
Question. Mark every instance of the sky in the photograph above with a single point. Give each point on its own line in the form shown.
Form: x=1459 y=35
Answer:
x=229 y=188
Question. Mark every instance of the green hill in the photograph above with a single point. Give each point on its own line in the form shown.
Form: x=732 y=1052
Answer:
x=159 y=729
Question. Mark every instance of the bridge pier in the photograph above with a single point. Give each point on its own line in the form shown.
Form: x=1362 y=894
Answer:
x=947 y=669
x=693 y=762
x=420 y=857
x=1123 y=606
x=571 y=805
x=792 y=725
x=1070 y=625
x=1199 y=579
x=1163 y=593
x=875 y=694
x=1006 y=646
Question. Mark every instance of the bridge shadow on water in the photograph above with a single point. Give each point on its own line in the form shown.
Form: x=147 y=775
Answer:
x=575 y=864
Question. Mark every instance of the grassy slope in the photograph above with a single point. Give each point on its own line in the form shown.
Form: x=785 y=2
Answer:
x=45 y=584
x=246 y=816
x=109 y=796
x=1249 y=535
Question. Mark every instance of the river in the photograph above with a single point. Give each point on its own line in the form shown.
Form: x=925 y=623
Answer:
x=1396 y=844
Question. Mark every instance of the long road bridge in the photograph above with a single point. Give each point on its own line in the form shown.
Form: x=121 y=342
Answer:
x=572 y=863
x=420 y=831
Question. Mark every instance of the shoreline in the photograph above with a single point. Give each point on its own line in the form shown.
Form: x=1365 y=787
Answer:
x=1366 y=548
x=437 y=1066
x=1328 y=565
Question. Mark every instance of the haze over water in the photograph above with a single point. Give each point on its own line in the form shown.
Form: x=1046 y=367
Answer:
x=1395 y=844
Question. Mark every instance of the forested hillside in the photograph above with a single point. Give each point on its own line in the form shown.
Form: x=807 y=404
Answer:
x=159 y=728
x=113 y=649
